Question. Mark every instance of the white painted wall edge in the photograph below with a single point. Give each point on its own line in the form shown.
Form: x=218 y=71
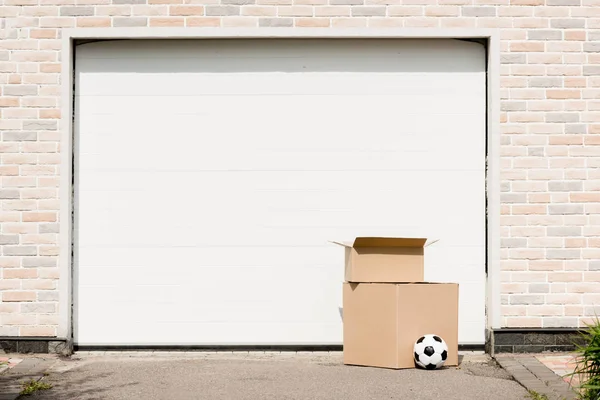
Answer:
x=66 y=126
x=255 y=33
x=494 y=315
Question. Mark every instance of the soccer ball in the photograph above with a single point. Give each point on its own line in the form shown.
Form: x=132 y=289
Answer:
x=430 y=352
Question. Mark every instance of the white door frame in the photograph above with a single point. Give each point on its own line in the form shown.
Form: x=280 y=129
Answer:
x=71 y=36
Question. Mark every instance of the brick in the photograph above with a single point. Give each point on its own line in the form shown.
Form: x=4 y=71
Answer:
x=563 y=254
x=591 y=47
x=9 y=170
x=230 y=10
x=539 y=288
x=518 y=322
x=545 y=82
x=9 y=239
x=276 y=22
x=19 y=136
x=545 y=310
x=21 y=296
x=19 y=228
x=312 y=22
x=585 y=197
x=199 y=10
x=17 y=319
x=565 y=186
x=96 y=22
x=570 y=23
x=583 y=287
x=167 y=21
x=50 y=273
x=563 y=2
x=479 y=11
x=526 y=299
x=20 y=273
x=368 y=11
x=48 y=319
x=540 y=34
x=518 y=46
x=119 y=22
x=38 y=284
x=9 y=194
x=404 y=11
x=8 y=308
x=48 y=228
x=47 y=296
x=19 y=250
x=39 y=217
x=76 y=11
x=129 y=1
x=38 y=331
x=111 y=11
x=334 y=11
x=39 y=262
x=563 y=298
x=294 y=11
x=20 y=90
x=40 y=125
x=9 y=102
x=513 y=58
x=562 y=117
x=202 y=21
x=591 y=70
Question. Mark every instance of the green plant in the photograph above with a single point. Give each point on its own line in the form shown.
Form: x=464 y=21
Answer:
x=587 y=365
x=32 y=386
x=533 y=395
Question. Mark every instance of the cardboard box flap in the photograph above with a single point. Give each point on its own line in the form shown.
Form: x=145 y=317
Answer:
x=364 y=241
x=389 y=242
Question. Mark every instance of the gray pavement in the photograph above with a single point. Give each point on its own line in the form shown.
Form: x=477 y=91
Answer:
x=281 y=376
x=535 y=376
x=30 y=368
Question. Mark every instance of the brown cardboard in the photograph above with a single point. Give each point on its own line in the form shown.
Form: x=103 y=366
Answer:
x=384 y=259
x=382 y=321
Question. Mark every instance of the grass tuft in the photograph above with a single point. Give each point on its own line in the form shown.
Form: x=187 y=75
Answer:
x=533 y=395
x=587 y=365
x=32 y=386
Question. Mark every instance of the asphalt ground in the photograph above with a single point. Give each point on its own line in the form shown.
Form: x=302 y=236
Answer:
x=269 y=376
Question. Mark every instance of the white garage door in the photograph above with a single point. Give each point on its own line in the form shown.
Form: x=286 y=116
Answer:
x=210 y=176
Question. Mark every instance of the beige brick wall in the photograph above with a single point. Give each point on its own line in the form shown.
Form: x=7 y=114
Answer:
x=550 y=99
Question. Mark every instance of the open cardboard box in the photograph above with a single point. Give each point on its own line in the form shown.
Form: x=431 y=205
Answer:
x=382 y=321
x=384 y=259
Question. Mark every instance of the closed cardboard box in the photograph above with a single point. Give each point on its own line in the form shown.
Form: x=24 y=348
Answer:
x=382 y=321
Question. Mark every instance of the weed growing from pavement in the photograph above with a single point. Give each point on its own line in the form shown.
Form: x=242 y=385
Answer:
x=588 y=362
x=533 y=395
x=32 y=386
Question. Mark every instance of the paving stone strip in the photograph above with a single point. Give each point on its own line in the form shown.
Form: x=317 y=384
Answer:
x=535 y=376
x=29 y=368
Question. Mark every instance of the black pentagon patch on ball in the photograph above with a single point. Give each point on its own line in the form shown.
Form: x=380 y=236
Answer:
x=437 y=339
x=429 y=350
x=430 y=366
x=416 y=356
x=444 y=355
x=421 y=339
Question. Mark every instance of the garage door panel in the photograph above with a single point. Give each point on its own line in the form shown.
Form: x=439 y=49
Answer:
x=211 y=176
x=225 y=333
x=323 y=256
x=285 y=182
x=260 y=85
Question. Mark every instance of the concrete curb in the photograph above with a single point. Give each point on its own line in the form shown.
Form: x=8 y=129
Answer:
x=535 y=376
